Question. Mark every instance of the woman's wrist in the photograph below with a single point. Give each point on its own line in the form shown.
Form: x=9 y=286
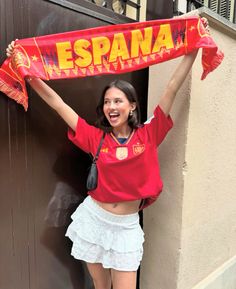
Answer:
x=29 y=78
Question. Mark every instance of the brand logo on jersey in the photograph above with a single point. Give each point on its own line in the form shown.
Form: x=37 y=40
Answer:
x=121 y=153
x=138 y=149
x=104 y=150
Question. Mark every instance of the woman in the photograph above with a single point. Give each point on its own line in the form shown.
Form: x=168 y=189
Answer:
x=105 y=230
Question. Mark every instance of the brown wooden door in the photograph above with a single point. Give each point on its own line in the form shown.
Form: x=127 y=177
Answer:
x=42 y=175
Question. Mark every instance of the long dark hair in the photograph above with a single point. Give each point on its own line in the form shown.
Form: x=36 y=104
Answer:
x=130 y=93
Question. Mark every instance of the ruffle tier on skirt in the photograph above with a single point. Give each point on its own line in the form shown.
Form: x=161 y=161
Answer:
x=98 y=236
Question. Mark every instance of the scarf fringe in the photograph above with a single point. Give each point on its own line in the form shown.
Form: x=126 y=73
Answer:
x=215 y=62
x=14 y=94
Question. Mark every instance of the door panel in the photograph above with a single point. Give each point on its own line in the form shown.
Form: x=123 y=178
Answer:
x=42 y=175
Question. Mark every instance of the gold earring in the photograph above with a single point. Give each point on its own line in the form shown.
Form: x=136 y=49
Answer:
x=131 y=113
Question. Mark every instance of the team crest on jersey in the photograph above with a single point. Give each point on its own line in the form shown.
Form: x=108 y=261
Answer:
x=121 y=153
x=138 y=149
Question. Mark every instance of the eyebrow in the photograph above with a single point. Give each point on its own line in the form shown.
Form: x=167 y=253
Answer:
x=116 y=98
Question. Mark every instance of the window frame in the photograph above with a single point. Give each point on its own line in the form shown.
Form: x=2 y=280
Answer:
x=98 y=12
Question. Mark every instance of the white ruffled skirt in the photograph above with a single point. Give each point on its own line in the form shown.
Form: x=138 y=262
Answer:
x=98 y=236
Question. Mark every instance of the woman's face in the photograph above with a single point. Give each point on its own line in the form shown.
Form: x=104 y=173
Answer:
x=117 y=107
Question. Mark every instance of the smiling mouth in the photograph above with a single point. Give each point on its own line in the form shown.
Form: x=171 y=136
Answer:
x=113 y=116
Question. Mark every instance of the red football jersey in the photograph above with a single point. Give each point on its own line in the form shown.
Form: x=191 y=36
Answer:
x=129 y=171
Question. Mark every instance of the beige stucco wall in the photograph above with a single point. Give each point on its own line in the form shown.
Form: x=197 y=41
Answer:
x=191 y=229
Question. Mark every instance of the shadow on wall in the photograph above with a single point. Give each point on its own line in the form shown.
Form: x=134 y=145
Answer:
x=71 y=170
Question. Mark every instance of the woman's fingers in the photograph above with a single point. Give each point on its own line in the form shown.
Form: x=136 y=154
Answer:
x=205 y=23
x=8 y=52
x=10 y=48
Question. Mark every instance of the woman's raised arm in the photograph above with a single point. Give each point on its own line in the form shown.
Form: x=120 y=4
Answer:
x=178 y=77
x=54 y=101
x=50 y=96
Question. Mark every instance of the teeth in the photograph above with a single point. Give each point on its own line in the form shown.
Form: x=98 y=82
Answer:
x=113 y=114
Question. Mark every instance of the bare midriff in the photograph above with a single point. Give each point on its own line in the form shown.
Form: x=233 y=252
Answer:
x=121 y=208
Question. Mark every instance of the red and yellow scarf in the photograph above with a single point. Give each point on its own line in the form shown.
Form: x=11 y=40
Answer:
x=105 y=50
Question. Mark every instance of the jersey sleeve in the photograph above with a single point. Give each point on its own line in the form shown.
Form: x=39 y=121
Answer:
x=158 y=126
x=85 y=136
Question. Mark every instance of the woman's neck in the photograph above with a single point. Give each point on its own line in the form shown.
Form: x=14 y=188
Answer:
x=122 y=133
